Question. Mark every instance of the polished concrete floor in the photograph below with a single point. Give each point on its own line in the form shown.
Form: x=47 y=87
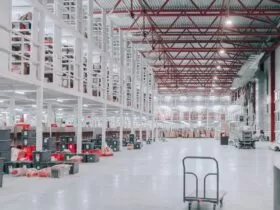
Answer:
x=149 y=179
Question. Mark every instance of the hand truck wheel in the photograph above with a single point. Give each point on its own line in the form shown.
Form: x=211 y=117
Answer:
x=214 y=207
x=190 y=206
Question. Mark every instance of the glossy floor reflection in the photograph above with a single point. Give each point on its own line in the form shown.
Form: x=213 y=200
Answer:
x=148 y=179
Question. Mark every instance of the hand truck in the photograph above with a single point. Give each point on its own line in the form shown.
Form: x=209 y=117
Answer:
x=214 y=197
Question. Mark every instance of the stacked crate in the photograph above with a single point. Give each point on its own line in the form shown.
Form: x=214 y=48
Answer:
x=28 y=138
x=67 y=142
x=49 y=144
x=5 y=145
x=41 y=159
x=114 y=144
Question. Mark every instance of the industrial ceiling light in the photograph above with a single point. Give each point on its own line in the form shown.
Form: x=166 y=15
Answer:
x=85 y=105
x=219 y=67
x=228 y=22
x=59 y=100
x=19 y=92
x=1 y=101
x=215 y=77
x=222 y=51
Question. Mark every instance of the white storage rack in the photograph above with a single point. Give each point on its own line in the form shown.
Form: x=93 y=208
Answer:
x=64 y=50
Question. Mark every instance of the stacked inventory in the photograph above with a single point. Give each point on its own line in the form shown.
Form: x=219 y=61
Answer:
x=49 y=144
x=21 y=45
x=49 y=58
x=114 y=144
x=67 y=142
x=131 y=138
x=68 y=65
x=5 y=145
x=41 y=159
x=28 y=138
x=97 y=143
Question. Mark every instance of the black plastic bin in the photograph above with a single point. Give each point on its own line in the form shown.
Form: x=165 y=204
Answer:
x=1 y=171
x=224 y=140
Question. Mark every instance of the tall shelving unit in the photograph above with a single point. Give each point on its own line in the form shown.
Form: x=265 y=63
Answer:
x=68 y=65
x=21 y=40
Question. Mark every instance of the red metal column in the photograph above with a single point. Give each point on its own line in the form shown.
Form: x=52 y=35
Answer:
x=272 y=96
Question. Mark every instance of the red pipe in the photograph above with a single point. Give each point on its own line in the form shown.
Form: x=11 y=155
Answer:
x=240 y=49
x=249 y=34
x=196 y=28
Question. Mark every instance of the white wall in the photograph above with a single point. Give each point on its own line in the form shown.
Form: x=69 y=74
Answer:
x=277 y=88
x=5 y=20
x=266 y=116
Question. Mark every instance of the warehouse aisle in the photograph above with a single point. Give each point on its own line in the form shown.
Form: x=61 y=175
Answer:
x=147 y=179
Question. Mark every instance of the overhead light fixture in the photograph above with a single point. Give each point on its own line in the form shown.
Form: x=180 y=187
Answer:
x=59 y=100
x=222 y=51
x=85 y=105
x=34 y=105
x=1 y=101
x=219 y=67
x=19 y=92
x=233 y=88
x=59 y=109
x=215 y=77
x=201 y=88
x=228 y=22
x=19 y=110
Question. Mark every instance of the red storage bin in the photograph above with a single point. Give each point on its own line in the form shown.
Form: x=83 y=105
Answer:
x=58 y=156
x=72 y=148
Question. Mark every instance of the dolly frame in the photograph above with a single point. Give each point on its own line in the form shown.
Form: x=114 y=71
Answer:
x=219 y=196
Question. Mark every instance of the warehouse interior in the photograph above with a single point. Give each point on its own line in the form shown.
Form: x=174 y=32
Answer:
x=139 y=104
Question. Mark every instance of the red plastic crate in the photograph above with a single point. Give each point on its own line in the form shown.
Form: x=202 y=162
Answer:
x=72 y=148
x=58 y=156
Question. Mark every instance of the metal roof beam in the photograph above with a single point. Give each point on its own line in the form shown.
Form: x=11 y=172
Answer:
x=200 y=12
x=197 y=66
x=200 y=59
x=216 y=49
x=183 y=41
x=250 y=34
x=197 y=28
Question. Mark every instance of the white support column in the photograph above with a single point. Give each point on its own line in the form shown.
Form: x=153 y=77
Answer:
x=12 y=112
x=207 y=119
x=104 y=76
x=153 y=128
x=90 y=49
x=5 y=20
x=39 y=90
x=122 y=86
x=141 y=128
x=104 y=125
x=78 y=84
x=111 y=61
x=121 y=127
x=57 y=60
x=132 y=123
x=39 y=118
x=50 y=117
x=79 y=124
x=134 y=78
x=104 y=57
x=141 y=86
x=37 y=35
